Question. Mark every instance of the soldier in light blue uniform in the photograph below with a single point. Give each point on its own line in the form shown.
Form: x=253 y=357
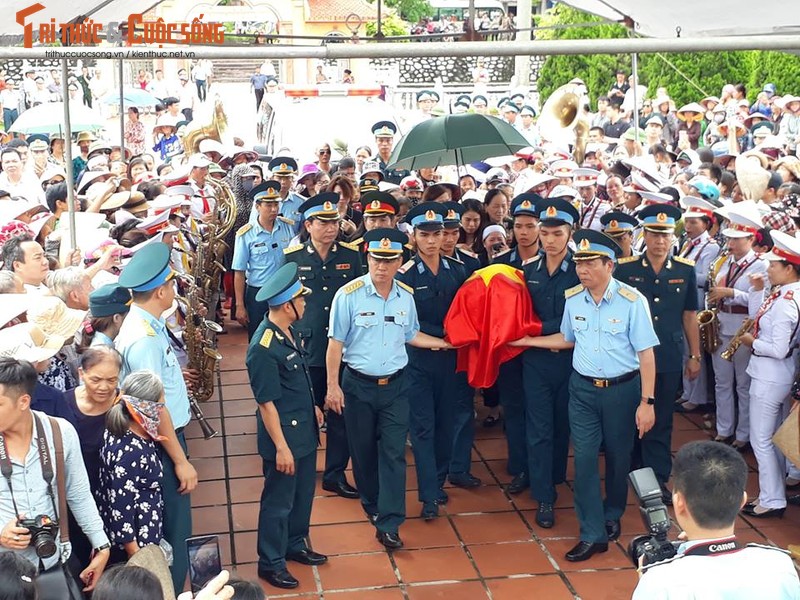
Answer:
x=258 y=253
x=284 y=170
x=372 y=319
x=144 y=344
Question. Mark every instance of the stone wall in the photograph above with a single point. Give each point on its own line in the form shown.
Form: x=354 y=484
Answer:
x=14 y=67
x=424 y=70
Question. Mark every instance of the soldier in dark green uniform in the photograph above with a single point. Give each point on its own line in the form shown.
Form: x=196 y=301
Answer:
x=669 y=284
x=380 y=211
x=384 y=132
x=324 y=265
x=288 y=432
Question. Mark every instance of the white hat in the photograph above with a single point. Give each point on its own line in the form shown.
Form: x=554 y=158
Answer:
x=12 y=306
x=697 y=207
x=164 y=202
x=11 y=209
x=537 y=179
x=209 y=145
x=198 y=161
x=786 y=247
x=654 y=120
x=564 y=191
x=744 y=220
x=585 y=177
x=386 y=186
x=27 y=341
x=494 y=229
x=54 y=317
x=497 y=174
x=563 y=167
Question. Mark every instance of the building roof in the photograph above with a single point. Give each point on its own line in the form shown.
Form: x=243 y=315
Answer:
x=336 y=11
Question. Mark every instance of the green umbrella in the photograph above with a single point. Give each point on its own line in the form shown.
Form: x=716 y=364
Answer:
x=456 y=140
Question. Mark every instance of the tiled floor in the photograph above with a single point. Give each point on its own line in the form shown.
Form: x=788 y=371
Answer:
x=484 y=545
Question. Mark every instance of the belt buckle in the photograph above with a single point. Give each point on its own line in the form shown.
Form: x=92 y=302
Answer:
x=383 y=381
x=601 y=383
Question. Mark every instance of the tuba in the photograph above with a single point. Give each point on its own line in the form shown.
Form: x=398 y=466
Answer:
x=214 y=130
x=561 y=113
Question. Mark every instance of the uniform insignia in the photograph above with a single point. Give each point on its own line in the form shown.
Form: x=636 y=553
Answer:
x=409 y=246
x=352 y=287
x=294 y=248
x=789 y=295
x=585 y=245
x=573 y=290
x=343 y=266
x=407 y=288
x=661 y=217
x=453 y=259
x=677 y=281
x=385 y=243
x=266 y=339
x=286 y=220
x=628 y=294
x=627 y=259
x=148 y=329
x=532 y=259
x=681 y=259
x=349 y=246
x=244 y=229
x=551 y=212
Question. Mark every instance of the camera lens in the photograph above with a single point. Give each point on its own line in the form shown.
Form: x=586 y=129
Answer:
x=44 y=543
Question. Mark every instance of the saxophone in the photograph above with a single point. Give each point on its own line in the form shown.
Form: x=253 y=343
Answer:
x=707 y=319
x=736 y=341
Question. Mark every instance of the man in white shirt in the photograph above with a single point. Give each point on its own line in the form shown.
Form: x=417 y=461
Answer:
x=187 y=94
x=16 y=180
x=26 y=258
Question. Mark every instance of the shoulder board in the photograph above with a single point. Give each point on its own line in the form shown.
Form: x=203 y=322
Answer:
x=681 y=259
x=628 y=294
x=294 y=248
x=244 y=229
x=407 y=288
x=789 y=295
x=530 y=260
x=406 y=266
x=627 y=259
x=663 y=562
x=148 y=329
x=409 y=246
x=573 y=290
x=286 y=220
x=349 y=246
x=468 y=253
x=357 y=242
x=453 y=259
x=266 y=339
x=767 y=547
x=352 y=287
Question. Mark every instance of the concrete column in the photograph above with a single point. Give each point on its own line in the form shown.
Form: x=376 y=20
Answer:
x=522 y=64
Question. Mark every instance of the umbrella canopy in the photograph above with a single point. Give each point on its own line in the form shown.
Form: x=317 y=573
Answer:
x=49 y=118
x=456 y=140
x=131 y=97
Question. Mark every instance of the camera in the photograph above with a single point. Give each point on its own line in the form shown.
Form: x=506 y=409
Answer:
x=43 y=534
x=497 y=247
x=654 y=546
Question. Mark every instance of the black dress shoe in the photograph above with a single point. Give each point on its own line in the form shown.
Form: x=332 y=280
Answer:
x=666 y=495
x=279 y=579
x=442 y=498
x=390 y=540
x=308 y=557
x=519 y=484
x=545 y=517
x=585 y=551
x=341 y=488
x=430 y=510
x=770 y=513
x=613 y=529
x=464 y=480
x=794 y=499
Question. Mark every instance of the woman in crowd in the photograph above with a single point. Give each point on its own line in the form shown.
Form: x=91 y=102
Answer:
x=128 y=583
x=437 y=193
x=351 y=218
x=137 y=169
x=363 y=154
x=134 y=132
x=496 y=203
x=472 y=223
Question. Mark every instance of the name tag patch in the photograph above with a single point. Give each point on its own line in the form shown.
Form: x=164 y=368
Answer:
x=343 y=267
x=579 y=318
x=304 y=268
x=677 y=280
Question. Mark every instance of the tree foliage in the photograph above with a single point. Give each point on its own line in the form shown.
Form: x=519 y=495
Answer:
x=706 y=72
x=409 y=10
x=391 y=25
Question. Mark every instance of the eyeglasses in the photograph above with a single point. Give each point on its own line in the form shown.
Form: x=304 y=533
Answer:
x=324 y=151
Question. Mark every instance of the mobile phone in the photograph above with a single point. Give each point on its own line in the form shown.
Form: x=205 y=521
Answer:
x=205 y=562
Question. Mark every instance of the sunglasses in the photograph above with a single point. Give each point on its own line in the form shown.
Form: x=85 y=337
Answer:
x=324 y=152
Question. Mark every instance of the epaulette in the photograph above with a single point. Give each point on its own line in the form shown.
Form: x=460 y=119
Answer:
x=530 y=260
x=573 y=290
x=349 y=246
x=768 y=547
x=406 y=266
x=681 y=259
x=266 y=339
x=789 y=294
x=468 y=253
x=409 y=247
x=148 y=329
x=244 y=229
x=286 y=220
x=352 y=287
x=407 y=288
x=294 y=248
x=628 y=294
x=357 y=242
x=627 y=259
x=453 y=259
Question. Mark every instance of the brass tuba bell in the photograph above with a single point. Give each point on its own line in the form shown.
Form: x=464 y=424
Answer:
x=214 y=130
x=561 y=113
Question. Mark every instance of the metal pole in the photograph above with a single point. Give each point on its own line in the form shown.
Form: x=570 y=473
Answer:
x=121 y=112
x=379 y=33
x=73 y=241
x=635 y=66
x=390 y=50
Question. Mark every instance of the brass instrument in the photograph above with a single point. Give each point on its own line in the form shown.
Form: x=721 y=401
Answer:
x=562 y=112
x=196 y=133
x=736 y=341
x=707 y=319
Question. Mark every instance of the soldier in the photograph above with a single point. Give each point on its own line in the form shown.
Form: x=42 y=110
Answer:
x=700 y=247
x=258 y=253
x=380 y=210
x=620 y=226
x=611 y=388
x=546 y=373
x=384 y=132
x=144 y=344
x=284 y=170
x=669 y=284
x=452 y=228
x=324 y=265
x=526 y=231
x=372 y=319
x=434 y=389
x=288 y=432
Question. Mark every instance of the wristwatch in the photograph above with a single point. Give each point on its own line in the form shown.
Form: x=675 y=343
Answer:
x=103 y=547
x=649 y=399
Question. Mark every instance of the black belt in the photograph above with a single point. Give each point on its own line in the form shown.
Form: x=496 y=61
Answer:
x=604 y=383
x=373 y=379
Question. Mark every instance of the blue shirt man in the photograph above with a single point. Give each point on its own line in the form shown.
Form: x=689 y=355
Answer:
x=284 y=171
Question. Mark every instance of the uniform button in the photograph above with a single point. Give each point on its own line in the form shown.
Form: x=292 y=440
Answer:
x=327 y=308
x=656 y=299
x=655 y=318
x=324 y=288
x=294 y=423
x=656 y=281
x=595 y=328
x=326 y=328
x=596 y=350
x=324 y=268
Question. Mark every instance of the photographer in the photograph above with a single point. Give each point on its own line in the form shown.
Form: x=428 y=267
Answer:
x=709 y=482
x=27 y=449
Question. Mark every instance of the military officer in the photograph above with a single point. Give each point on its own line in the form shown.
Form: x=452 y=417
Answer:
x=620 y=227
x=324 y=265
x=284 y=171
x=380 y=210
x=372 y=319
x=144 y=344
x=546 y=373
x=699 y=246
x=434 y=389
x=669 y=284
x=287 y=430
x=258 y=253
x=452 y=227
x=526 y=231
x=384 y=132
x=611 y=387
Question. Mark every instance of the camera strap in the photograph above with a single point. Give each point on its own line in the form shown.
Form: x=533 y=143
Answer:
x=715 y=547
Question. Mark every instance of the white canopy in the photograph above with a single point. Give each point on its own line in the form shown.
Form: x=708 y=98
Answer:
x=699 y=18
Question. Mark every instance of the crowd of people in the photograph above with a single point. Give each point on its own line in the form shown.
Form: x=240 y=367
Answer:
x=344 y=271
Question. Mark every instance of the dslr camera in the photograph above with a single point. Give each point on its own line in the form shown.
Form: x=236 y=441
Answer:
x=43 y=534
x=654 y=546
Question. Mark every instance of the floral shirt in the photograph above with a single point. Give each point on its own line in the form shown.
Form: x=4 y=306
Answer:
x=134 y=137
x=129 y=497
x=59 y=375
